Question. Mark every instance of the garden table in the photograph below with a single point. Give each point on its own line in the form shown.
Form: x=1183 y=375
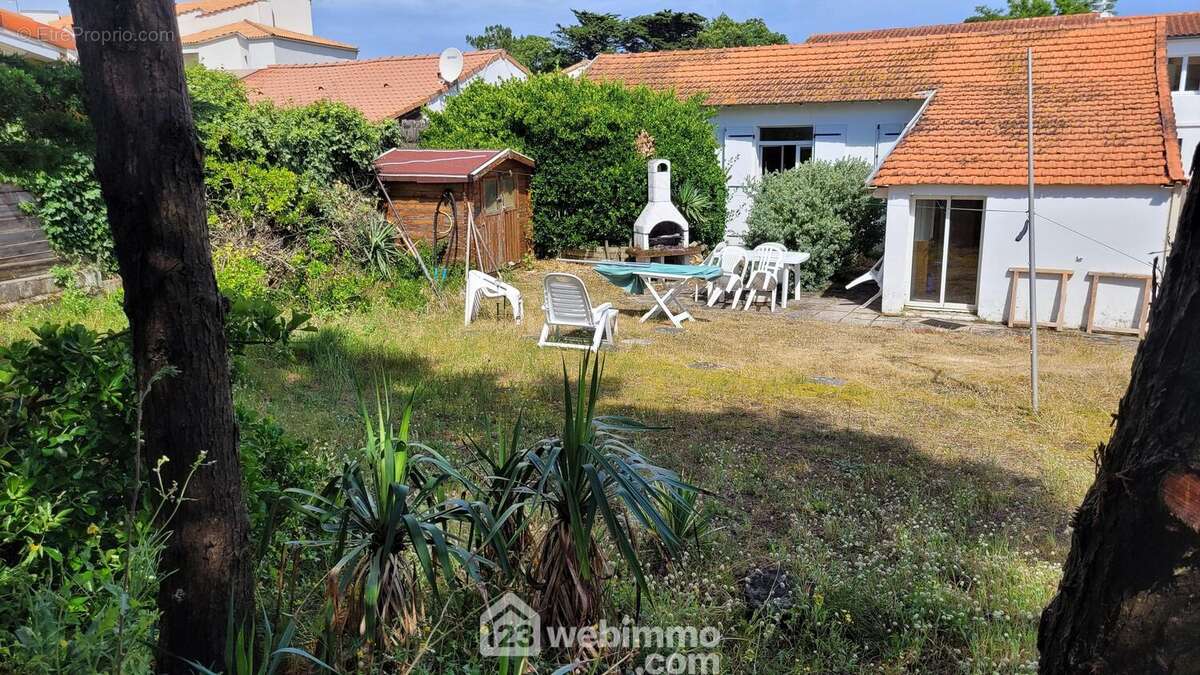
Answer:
x=664 y=282
x=791 y=261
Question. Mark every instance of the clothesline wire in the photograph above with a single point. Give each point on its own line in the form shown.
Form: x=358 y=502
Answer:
x=1063 y=226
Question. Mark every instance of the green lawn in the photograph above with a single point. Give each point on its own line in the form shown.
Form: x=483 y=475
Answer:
x=921 y=508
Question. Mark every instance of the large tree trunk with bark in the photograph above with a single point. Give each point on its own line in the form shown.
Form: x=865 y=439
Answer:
x=1129 y=600
x=149 y=163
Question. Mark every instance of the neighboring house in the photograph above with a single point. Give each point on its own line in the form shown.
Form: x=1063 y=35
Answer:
x=28 y=37
x=1182 y=53
x=577 y=69
x=395 y=87
x=246 y=34
x=943 y=120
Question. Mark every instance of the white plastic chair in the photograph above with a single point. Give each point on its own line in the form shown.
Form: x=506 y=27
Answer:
x=733 y=264
x=874 y=274
x=481 y=286
x=713 y=258
x=567 y=305
x=766 y=262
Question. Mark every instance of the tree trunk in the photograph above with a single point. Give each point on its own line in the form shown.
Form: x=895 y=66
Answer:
x=1129 y=601
x=150 y=168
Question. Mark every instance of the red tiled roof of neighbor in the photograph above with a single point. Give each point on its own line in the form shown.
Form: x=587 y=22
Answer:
x=1179 y=24
x=36 y=30
x=381 y=88
x=1183 y=24
x=206 y=7
x=441 y=166
x=952 y=28
x=1102 y=105
x=253 y=30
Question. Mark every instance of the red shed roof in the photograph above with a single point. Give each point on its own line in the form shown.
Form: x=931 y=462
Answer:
x=441 y=166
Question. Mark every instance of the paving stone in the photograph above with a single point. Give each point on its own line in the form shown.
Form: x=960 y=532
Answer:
x=705 y=365
x=668 y=330
x=637 y=342
x=827 y=380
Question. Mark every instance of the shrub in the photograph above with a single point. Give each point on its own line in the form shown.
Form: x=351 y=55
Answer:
x=72 y=211
x=239 y=274
x=259 y=198
x=821 y=207
x=590 y=180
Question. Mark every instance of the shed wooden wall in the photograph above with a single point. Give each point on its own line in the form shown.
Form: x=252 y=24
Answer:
x=507 y=235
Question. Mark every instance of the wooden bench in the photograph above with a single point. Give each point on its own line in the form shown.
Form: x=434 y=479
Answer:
x=1143 y=314
x=1063 y=277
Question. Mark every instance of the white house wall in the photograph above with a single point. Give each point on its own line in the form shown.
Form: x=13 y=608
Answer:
x=231 y=52
x=493 y=73
x=844 y=130
x=1131 y=220
x=295 y=15
x=291 y=52
x=196 y=21
x=1186 y=103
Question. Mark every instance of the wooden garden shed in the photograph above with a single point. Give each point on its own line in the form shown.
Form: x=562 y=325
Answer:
x=433 y=191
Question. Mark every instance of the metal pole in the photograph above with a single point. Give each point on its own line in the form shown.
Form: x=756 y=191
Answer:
x=1033 y=316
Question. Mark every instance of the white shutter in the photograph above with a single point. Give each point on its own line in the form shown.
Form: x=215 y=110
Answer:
x=886 y=136
x=741 y=156
x=829 y=142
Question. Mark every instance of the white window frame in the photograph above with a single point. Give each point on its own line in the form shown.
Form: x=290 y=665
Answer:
x=1186 y=61
x=810 y=144
x=912 y=231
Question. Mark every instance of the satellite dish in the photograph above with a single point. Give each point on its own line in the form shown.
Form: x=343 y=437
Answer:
x=450 y=64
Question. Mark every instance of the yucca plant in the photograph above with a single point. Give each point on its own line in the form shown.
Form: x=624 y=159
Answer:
x=591 y=473
x=255 y=651
x=394 y=532
x=503 y=481
x=686 y=518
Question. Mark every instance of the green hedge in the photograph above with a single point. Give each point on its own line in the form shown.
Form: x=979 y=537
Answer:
x=590 y=180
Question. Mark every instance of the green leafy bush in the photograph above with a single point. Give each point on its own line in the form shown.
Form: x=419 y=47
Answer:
x=72 y=211
x=260 y=198
x=590 y=180
x=821 y=207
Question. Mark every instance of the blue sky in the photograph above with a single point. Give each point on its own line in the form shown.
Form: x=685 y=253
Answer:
x=384 y=27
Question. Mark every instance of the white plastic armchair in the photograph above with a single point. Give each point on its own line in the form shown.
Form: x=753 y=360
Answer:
x=875 y=274
x=733 y=264
x=766 y=262
x=567 y=305
x=713 y=258
x=481 y=286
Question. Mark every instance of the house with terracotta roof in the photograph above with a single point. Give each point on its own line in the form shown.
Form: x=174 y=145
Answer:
x=942 y=119
x=1183 y=58
x=394 y=87
x=246 y=34
x=33 y=39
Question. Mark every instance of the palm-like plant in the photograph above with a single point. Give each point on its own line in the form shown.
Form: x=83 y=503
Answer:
x=591 y=473
x=504 y=481
x=392 y=529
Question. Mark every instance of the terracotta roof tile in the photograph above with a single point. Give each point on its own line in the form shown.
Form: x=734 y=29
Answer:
x=253 y=30
x=382 y=88
x=206 y=7
x=954 y=28
x=1183 y=24
x=1103 y=111
x=36 y=30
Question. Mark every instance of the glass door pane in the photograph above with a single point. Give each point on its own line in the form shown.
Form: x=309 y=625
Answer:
x=929 y=236
x=962 y=253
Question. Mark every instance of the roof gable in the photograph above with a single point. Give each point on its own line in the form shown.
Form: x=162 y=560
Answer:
x=35 y=30
x=382 y=88
x=252 y=30
x=1103 y=114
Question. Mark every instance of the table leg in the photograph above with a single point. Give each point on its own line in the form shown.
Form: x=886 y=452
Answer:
x=660 y=304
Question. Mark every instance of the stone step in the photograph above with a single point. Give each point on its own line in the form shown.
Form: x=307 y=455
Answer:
x=23 y=248
x=25 y=287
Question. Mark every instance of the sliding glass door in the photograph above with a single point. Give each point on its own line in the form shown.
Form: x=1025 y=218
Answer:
x=945 y=252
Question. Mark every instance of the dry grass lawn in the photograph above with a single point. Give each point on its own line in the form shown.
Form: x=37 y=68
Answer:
x=920 y=503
